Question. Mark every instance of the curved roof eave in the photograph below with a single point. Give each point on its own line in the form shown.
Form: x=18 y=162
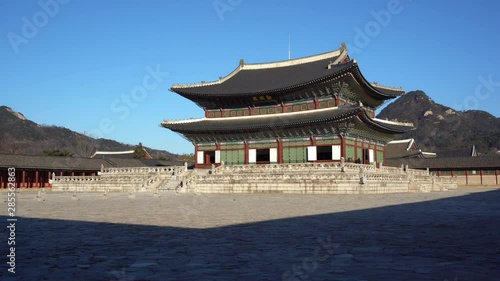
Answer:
x=391 y=127
x=375 y=88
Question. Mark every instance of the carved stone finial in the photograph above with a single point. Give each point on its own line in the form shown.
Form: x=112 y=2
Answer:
x=361 y=175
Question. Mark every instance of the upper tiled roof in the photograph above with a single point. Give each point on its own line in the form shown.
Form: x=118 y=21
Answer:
x=281 y=120
x=251 y=79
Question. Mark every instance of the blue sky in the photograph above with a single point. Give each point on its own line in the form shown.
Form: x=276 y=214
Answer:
x=105 y=67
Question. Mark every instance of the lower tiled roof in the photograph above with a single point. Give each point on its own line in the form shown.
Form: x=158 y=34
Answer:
x=280 y=120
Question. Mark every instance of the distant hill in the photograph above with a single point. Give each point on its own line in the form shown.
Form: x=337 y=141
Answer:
x=441 y=128
x=22 y=136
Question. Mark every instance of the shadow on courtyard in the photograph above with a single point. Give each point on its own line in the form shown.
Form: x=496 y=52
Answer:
x=451 y=239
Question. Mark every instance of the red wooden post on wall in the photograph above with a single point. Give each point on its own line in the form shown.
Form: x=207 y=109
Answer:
x=343 y=147
x=23 y=179
x=36 y=178
x=280 y=151
x=246 y=147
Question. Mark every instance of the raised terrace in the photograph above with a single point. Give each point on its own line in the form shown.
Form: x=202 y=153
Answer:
x=299 y=178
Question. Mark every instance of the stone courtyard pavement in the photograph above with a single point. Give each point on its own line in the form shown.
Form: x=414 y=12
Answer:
x=453 y=235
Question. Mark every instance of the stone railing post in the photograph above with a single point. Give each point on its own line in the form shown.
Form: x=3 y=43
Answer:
x=361 y=175
x=342 y=164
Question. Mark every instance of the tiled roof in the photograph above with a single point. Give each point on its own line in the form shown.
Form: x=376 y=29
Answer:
x=51 y=162
x=257 y=81
x=76 y=163
x=280 y=120
x=267 y=78
x=468 y=152
x=489 y=161
x=127 y=154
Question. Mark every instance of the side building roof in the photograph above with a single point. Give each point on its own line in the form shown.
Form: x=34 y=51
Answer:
x=76 y=163
x=456 y=163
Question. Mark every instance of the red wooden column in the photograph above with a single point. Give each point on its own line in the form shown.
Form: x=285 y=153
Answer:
x=343 y=147
x=496 y=177
x=196 y=155
x=246 y=147
x=316 y=103
x=481 y=175
x=466 y=177
x=280 y=151
x=23 y=179
x=363 y=156
x=36 y=178
x=355 y=149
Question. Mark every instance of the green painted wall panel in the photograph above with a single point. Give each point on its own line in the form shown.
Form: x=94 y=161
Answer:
x=294 y=154
x=349 y=153
x=380 y=157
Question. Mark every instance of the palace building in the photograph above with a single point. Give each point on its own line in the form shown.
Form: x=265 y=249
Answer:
x=311 y=109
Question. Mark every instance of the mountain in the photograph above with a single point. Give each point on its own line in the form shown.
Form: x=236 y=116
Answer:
x=22 y=136
x=441 y=128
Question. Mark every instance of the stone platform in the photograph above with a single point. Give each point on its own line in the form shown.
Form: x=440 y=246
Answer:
x=450 y=235
x=299 y=178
